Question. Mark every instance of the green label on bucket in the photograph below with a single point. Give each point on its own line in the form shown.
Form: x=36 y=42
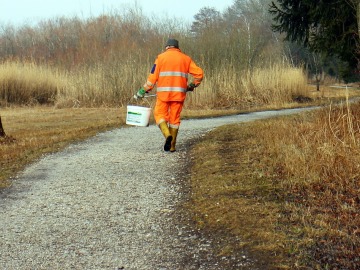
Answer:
x=134 y=117
x=138 y=116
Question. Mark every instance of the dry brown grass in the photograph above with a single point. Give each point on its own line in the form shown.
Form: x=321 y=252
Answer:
x=31 y=84
x=332 y=91
x=114 y=84
x=27 y=83
x=101 y=85
x=226 y=86
x=287 y=188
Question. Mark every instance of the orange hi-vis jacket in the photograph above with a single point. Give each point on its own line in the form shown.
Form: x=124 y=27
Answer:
x=170 y=73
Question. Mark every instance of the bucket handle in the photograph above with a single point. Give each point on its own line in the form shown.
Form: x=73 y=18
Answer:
x=146 y=96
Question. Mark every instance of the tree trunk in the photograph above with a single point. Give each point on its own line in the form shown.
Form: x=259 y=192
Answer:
x=358 y=17
x=317 y=78
x=2 y=132
x=358 y=21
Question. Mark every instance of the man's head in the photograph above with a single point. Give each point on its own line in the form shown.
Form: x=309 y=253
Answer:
x=172 y=43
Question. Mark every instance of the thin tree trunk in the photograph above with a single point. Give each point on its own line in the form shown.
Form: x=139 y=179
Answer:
x=2 y=132
x=358 y=17
x=358 y=21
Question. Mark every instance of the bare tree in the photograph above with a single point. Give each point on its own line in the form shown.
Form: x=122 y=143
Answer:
x=318 y=68
x=252 y=20
x=206 y=18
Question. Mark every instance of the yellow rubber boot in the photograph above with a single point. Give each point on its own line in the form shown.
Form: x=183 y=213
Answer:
x=173 y=132
x=166 y=132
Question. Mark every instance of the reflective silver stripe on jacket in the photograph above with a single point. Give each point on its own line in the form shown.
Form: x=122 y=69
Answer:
x=148 y=83
x=174 y=73
x=171 y=89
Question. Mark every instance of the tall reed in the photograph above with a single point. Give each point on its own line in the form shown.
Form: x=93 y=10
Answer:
x=113 y=84
x=26 y=82
x=230 y=86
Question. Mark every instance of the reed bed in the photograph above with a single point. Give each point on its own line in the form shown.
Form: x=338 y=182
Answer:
x=115 y=84
x=227 y=86
x=28 y=83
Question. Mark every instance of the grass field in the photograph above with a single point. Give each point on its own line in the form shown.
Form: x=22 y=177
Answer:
x=287 y=189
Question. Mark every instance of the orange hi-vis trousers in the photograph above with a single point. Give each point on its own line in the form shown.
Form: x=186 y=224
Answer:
x=168 y=111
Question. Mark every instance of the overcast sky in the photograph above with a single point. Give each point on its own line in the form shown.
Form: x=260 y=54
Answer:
x=19 y=12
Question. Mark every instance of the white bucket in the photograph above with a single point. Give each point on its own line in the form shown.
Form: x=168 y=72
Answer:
x=138 y=116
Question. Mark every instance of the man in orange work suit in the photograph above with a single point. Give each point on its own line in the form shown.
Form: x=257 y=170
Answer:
x=170 y=74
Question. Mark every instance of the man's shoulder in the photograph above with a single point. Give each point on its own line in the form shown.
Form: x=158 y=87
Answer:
x=172 y=52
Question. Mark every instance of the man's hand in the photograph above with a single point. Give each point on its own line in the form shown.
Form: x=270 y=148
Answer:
x=140 y=93
x=190 y=87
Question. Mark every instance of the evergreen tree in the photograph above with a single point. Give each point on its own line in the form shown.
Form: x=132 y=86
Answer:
x=328 y=27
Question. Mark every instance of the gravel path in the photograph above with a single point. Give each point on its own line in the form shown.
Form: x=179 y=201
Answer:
x=109 y=202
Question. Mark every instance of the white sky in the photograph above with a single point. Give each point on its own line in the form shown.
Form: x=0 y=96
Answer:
x=18 y=12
